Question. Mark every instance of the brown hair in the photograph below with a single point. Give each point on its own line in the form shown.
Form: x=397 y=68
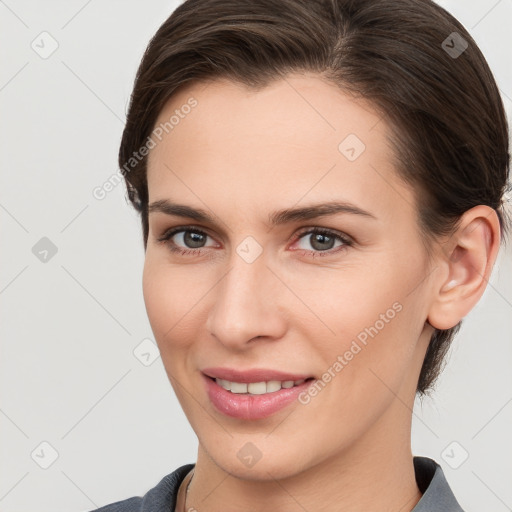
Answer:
x=439 y=97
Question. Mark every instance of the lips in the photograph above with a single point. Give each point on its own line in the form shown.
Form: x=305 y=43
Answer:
x=249 y=406
x=253 y=375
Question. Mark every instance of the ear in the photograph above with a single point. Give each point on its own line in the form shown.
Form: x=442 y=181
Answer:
x=466 y=259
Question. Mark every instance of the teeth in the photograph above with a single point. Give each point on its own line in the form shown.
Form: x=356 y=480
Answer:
x=224 y=383
x=273 y=385
x=238 y=387
x=257 y=388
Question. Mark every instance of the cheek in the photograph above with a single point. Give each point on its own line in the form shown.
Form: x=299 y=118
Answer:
x=165 y=302
x=388 y=364
x=154 y=297
x=349 y=299
x=376 y=318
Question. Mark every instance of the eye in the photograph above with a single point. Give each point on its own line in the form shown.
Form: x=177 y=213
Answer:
x=192 y=238
x=323 y=241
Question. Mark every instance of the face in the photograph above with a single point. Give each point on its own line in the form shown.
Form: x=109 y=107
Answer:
x=339 y=298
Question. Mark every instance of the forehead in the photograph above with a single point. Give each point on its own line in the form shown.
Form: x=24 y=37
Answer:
x=299 y=110
x=297 y=137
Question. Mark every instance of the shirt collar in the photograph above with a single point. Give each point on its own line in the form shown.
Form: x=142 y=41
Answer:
x=437 y=494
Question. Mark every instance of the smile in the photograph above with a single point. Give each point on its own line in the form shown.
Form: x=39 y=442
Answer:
x=256 y=399
x=257 y=388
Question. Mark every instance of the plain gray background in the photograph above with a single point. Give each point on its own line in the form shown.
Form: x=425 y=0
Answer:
x=72 y=325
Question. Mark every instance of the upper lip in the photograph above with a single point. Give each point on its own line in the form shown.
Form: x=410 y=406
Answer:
x=252 y=375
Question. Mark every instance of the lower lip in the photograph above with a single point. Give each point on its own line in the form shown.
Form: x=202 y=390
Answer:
x=252 y=407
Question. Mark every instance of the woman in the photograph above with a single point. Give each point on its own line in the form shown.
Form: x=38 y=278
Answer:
x=321 y=189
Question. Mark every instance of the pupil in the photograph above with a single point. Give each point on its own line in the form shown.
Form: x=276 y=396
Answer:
x=319 y=237
x=192 y=238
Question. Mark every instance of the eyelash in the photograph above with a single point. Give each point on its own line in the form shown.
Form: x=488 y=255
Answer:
x=166 y=239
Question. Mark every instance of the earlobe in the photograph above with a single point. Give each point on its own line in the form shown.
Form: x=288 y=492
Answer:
x=467 y=259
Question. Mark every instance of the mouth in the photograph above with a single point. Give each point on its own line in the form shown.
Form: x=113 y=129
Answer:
x=258 y=388
x=253 y=400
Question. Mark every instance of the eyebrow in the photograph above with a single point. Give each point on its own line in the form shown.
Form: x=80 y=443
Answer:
x=276 y=218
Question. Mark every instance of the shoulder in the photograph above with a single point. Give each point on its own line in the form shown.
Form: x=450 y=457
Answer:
x=160 y=498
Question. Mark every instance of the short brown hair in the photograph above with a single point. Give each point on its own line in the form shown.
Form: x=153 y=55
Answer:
x=407 y=57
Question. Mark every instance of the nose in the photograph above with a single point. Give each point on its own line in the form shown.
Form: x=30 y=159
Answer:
x=247 y=304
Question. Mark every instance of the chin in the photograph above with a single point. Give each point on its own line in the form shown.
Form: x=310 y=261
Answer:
x=254 y=457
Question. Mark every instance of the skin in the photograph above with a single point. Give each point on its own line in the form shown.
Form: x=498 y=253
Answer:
x=241 y=154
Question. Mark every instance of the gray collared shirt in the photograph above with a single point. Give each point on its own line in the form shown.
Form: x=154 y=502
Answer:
x=431 y=481
x=437 y=495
